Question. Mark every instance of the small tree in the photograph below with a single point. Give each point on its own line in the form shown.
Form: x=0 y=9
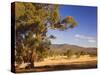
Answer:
x=82 y=53
x=69 y=53
x=78 y=54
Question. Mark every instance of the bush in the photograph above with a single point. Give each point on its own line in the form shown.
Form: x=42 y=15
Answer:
x=69 y=53
x=83 y=53
x=78 y=54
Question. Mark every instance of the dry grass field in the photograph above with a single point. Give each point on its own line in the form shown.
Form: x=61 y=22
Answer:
x=63 y=63
x=63 y=60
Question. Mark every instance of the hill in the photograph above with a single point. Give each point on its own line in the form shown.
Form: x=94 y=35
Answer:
x=62 y=48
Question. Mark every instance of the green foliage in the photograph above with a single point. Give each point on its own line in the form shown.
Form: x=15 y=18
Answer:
x=69 y=21
x=78 y=54
x=52 y=37
x=69 y=53
x=92 y=54
x=83 y=53
x=31 y=26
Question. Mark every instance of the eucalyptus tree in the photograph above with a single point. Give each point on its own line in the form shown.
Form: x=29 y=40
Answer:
x=32 y=21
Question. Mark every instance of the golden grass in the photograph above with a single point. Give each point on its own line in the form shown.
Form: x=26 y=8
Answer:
x=63 y=60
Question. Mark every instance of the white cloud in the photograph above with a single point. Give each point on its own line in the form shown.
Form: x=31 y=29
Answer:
x=92 y=41
x=83 y=36
x=89 y=39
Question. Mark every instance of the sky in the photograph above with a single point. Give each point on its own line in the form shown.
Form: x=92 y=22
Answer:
x=85 y=33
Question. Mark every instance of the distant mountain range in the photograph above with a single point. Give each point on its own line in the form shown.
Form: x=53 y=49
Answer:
x=65 y=47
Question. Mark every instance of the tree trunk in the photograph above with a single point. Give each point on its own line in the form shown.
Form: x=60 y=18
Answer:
x=32 y=58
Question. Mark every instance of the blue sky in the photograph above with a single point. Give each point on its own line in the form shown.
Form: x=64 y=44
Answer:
x=85 y=33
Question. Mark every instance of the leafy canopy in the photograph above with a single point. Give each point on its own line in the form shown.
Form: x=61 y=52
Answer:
x=32 y=23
